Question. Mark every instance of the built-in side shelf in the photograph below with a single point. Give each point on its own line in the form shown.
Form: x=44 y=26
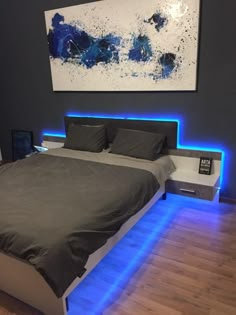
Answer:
x=187 y=181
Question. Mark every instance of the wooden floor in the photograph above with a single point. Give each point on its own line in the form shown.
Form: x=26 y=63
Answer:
x=191 y=269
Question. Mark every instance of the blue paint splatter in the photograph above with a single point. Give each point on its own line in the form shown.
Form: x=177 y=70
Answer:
x=158 y=19
x=72 y=44
x=141 y=50
x=102 y=50
x=69 y=42
x=168 y=63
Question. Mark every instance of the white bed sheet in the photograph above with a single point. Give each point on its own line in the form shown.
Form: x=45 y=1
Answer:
x=160 y=168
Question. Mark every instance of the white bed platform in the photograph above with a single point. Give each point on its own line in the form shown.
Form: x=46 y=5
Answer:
x=21 y=280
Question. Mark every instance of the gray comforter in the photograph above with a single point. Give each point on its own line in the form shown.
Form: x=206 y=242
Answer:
x=56 y=211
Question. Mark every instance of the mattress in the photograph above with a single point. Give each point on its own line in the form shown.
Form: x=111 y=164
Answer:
x=58 y=208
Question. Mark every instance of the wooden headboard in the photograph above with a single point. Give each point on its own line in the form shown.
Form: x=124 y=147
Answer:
x=168 y=128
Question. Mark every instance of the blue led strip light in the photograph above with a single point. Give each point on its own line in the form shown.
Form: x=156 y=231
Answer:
x=53 y=134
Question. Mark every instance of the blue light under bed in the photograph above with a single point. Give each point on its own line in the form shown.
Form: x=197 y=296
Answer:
x=107 y=280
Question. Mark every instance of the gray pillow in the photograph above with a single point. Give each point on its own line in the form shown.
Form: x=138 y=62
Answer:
x=86 y=138
x=137 y=143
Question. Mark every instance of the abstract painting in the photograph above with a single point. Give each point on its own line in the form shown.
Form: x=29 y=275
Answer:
x=125 y=45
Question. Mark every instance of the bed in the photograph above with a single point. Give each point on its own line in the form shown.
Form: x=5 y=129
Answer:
x=64 y=209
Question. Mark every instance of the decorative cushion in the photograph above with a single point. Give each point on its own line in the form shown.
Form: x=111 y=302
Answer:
x=137 y=143
x=86 y=138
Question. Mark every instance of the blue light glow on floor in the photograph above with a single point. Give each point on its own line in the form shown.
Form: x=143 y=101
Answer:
x=104 y=284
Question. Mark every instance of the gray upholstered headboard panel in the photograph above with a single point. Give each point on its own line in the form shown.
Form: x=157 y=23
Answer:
x=167 y=128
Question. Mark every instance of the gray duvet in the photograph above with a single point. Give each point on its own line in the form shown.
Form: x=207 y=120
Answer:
x=56 y=211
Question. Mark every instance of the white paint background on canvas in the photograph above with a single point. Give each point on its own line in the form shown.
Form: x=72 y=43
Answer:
x=124 y=22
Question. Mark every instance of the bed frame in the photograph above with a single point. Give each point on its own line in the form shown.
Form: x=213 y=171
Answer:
x=22 y=281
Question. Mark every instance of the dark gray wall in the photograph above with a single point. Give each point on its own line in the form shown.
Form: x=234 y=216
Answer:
x=28 y=102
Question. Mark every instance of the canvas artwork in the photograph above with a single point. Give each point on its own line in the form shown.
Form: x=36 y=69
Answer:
x=125 y=45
